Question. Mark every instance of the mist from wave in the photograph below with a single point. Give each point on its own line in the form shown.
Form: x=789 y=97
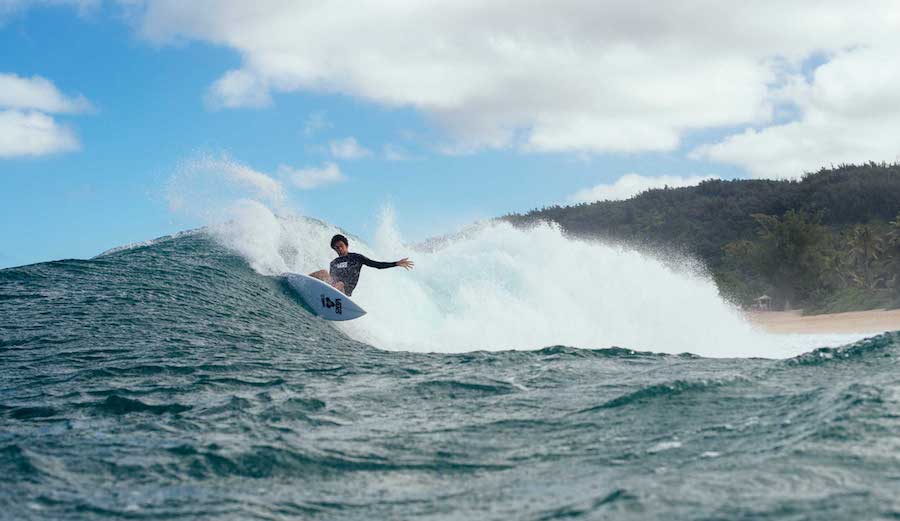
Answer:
x=493 y=286
x=501 y=287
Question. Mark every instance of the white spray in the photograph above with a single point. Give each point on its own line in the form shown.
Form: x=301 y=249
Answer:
x=501 y=287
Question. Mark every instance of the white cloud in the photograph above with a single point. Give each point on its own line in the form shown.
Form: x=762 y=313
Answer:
x=544 y=76
x=31 y=133
x=348 y=148
x=37 y=93
x=25 y=128
x=850 y=113
x=309 y=178
x=238 y=89
x=11 y=7
x=630 y=185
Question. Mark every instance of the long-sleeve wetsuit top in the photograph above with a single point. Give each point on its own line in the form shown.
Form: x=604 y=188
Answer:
x=346 y=269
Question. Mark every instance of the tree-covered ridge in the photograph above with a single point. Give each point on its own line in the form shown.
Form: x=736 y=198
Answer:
x=828 y=241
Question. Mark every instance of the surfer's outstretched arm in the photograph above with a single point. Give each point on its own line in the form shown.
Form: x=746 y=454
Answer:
x=403 y=263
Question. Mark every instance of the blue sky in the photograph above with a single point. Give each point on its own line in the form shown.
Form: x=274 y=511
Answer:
x=152 y=110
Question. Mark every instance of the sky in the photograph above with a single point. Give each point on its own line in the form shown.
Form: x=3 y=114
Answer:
x=125 y=120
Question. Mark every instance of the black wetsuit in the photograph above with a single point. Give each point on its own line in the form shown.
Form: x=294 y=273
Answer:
x=346 y=269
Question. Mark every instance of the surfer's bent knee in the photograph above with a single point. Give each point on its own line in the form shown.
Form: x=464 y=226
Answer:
x=321 y=275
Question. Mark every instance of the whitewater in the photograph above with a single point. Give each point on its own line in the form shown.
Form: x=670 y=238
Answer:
x=494 y=286
x=490 y=286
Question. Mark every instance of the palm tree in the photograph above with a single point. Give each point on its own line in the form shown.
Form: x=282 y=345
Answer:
x=894 y=231
x=865 y=248
x=834 y=271
x=891 y=258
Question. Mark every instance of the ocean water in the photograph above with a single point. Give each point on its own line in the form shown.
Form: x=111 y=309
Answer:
x=514 y=374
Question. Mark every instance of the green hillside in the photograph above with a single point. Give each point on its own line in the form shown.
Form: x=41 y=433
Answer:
x=828 y=242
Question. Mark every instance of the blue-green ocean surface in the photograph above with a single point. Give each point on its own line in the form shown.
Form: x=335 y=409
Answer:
x=172 y=381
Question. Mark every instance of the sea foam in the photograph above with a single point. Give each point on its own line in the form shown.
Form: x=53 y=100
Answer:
x=495 y=286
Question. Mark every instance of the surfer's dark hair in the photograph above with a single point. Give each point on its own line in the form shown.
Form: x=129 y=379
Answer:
x=339 y=238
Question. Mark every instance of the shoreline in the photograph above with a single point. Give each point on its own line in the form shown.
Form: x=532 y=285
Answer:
x=787 y=322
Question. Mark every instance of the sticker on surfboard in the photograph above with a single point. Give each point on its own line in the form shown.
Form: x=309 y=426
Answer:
x=324 y=300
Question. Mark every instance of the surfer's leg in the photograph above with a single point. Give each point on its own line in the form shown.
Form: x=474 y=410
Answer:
x=321 y=275
x=325 y=276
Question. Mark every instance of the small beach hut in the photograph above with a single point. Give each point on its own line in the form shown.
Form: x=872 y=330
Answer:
x=762 y=302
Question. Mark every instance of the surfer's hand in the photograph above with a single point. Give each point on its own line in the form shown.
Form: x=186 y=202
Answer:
x=405 y=263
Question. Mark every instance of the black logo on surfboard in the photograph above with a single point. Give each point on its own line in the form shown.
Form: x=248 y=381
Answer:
x=328 y=303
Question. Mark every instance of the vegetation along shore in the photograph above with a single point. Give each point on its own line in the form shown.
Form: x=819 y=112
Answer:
x=827 y=243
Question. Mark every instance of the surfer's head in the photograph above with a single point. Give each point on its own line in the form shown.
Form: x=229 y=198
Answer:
x=339 y=244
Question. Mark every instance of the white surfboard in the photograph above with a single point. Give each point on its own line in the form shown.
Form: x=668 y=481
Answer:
x=324 y=300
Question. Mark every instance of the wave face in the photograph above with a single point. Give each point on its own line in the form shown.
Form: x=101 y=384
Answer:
x=177 y=379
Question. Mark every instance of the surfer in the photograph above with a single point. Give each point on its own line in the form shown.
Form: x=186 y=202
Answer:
x=344 y=270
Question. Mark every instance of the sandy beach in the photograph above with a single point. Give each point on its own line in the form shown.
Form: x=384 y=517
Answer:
x=852 y=322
